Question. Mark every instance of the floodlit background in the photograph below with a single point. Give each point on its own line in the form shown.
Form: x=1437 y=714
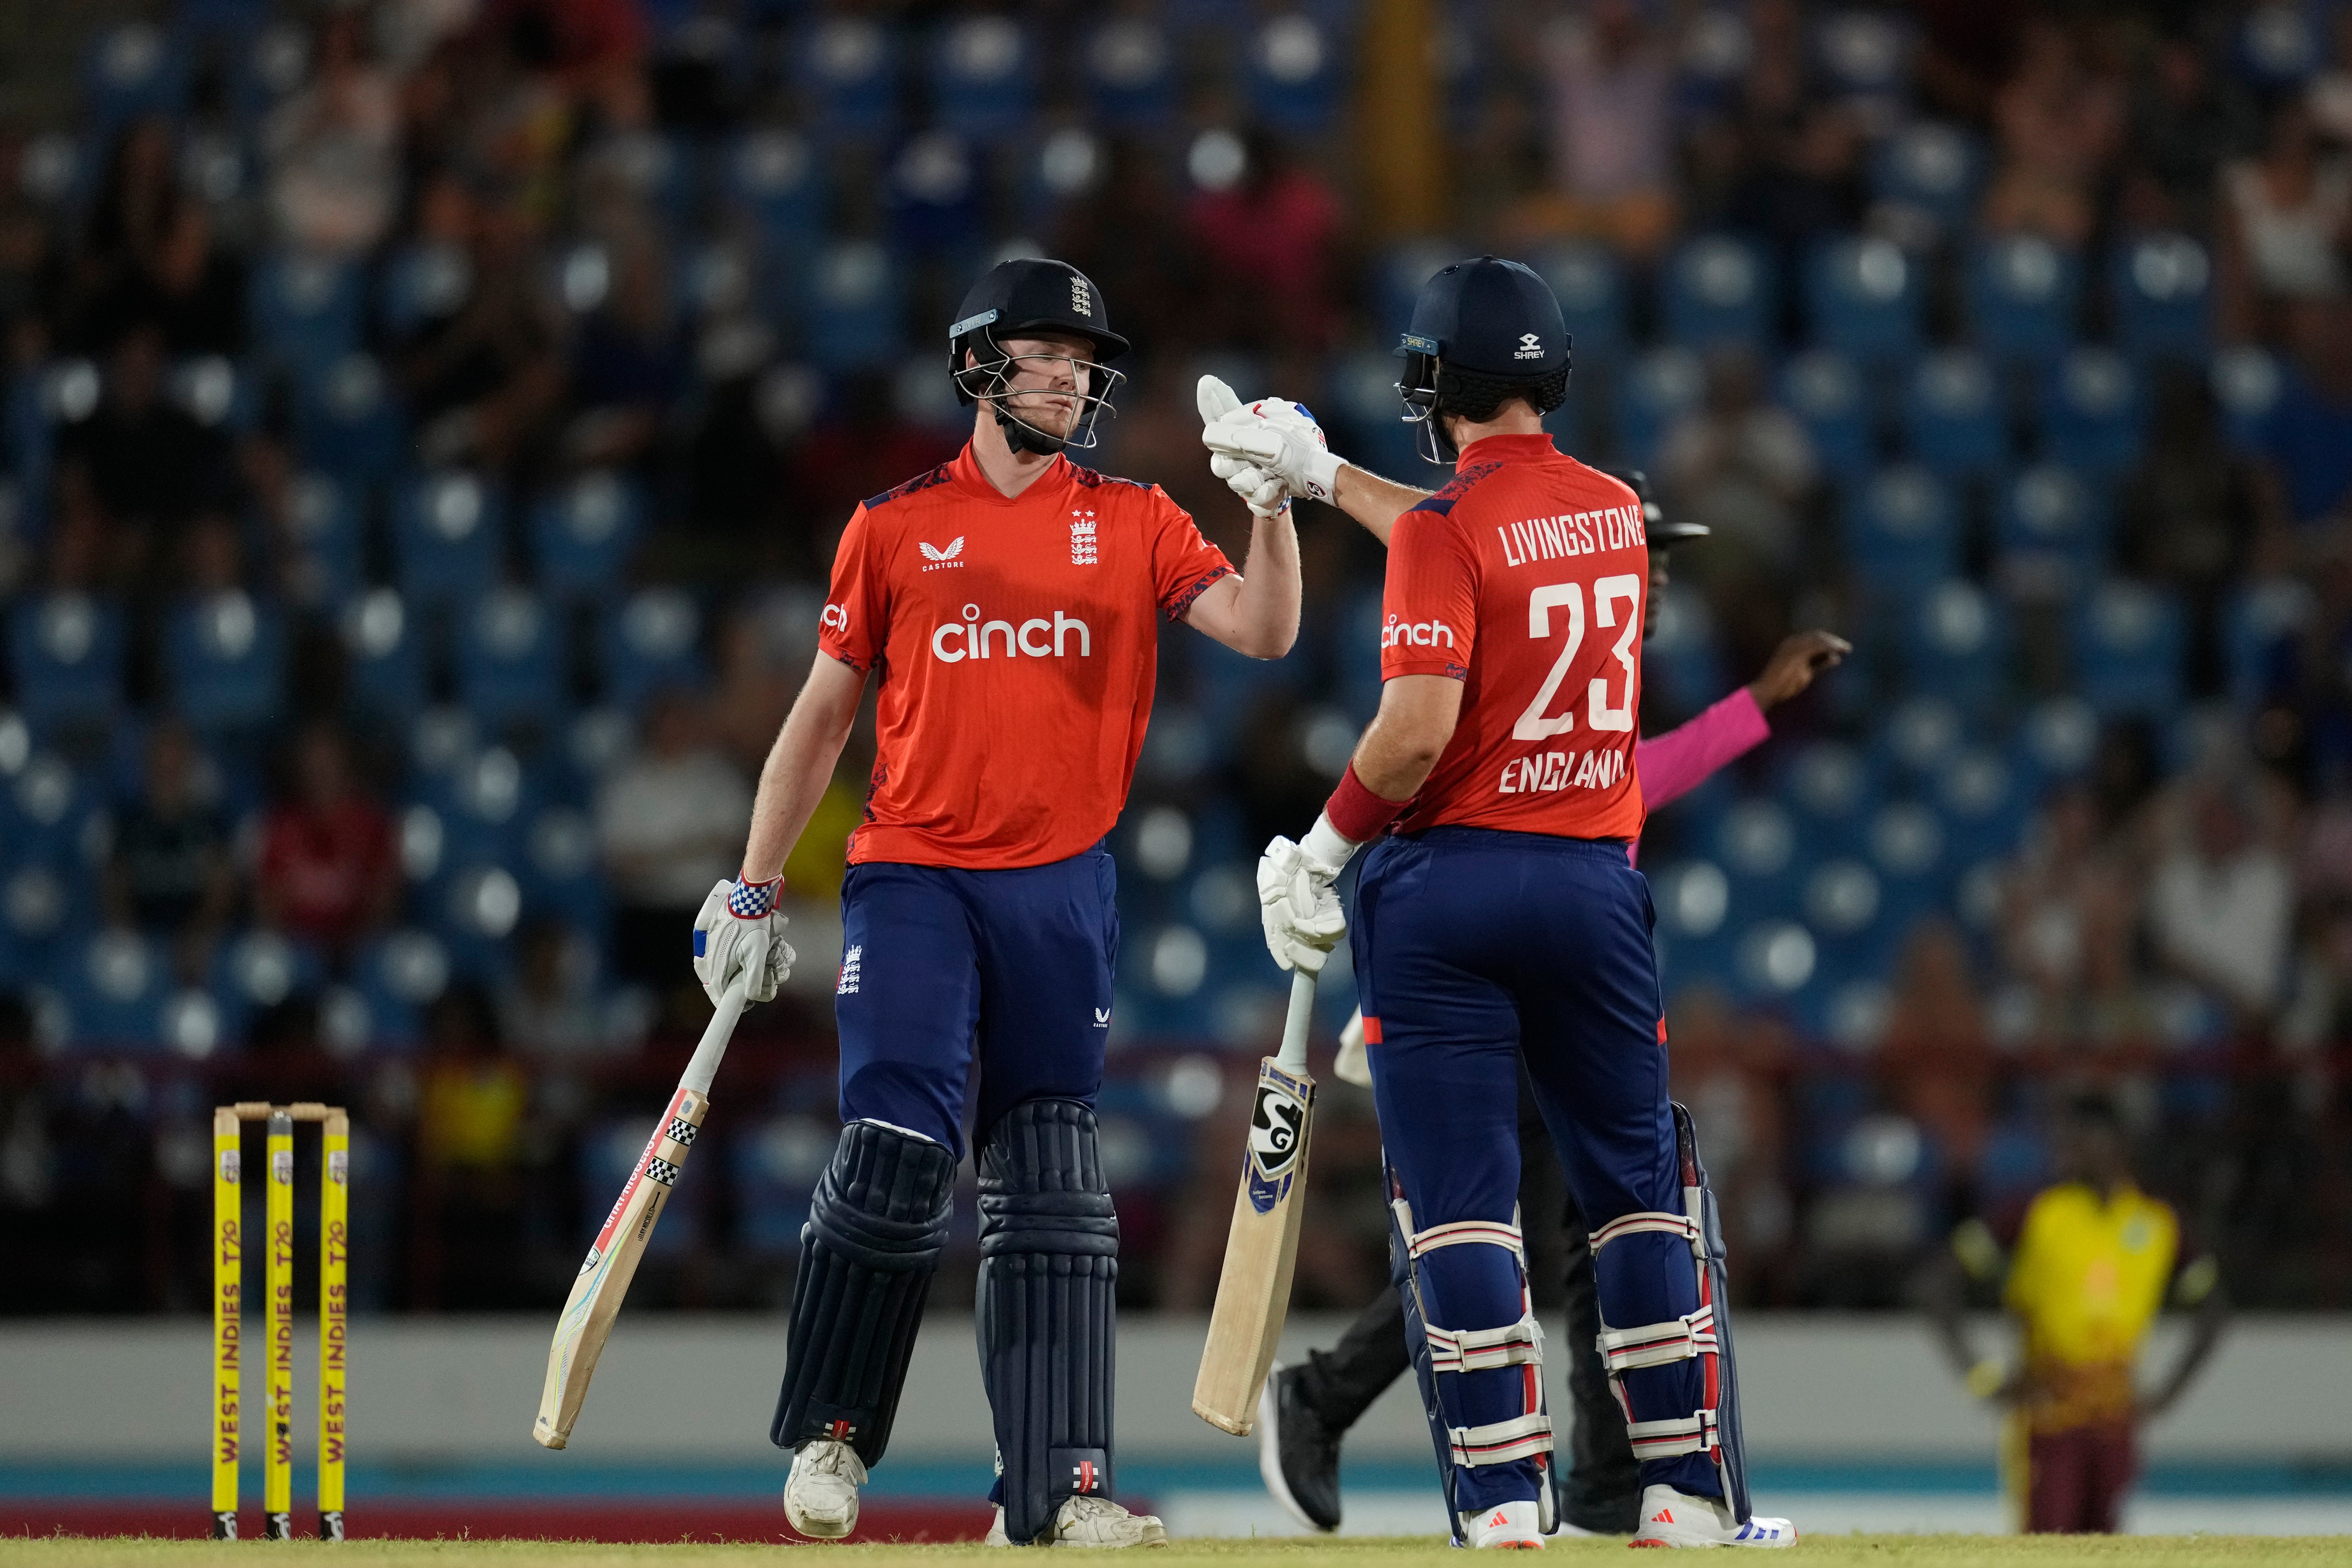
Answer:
x=427 y=425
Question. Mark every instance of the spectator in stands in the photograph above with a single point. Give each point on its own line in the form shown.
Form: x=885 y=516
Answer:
x=2060 y=125
x=334 y=147
x=1744 y=467
x=185 y=286
x=481 y=382
x=2185 y=121
x=328 y=872
x=2067 y=913
x=1937 y=1055
x=31 y=276
x=2330 y=91
x=2220 y=901
x=2305 y=439
x=2287 y=221
x=550 y=1009
x=470 y=1142
x=126 y=223
x=628 y=365
x=862 y=447
x=1803 y=183
x=146 y=463
x=670 y=822
x=169 y=873
x=755 y=691
x=1270 y=241
x=1611 y=88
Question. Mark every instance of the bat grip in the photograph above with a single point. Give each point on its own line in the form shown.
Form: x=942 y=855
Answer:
x=1292 y=1057
x=703 y=1066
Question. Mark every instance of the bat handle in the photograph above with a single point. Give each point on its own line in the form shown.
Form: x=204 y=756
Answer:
x=703 y=1066
x=1292 y=1059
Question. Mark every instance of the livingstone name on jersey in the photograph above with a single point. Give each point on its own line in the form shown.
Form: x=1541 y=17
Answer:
x=1571 y=533
x=1037 y=638
x=1563 y=770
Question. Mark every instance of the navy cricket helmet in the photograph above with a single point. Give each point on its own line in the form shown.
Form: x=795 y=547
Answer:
x=1483 y=331
x=1025 y=298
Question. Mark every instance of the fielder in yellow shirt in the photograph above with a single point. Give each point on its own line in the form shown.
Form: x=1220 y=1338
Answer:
x=2093 y=1261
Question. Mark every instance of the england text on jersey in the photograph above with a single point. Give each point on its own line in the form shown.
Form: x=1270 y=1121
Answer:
x=1015 y=640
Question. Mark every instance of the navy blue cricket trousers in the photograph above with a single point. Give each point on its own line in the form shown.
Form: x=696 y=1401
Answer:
x=1474 y=948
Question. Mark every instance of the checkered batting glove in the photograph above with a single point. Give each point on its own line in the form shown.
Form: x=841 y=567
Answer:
x=738 y=929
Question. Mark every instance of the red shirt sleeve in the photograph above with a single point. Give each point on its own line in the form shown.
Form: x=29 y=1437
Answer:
x=1183 y=563
x=1429 y=608
x=857 y=606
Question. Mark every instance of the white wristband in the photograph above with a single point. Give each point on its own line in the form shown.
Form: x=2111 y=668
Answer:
x=1327 y=845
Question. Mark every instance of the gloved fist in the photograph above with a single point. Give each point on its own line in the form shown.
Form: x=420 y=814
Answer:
x=1267 y=451
x=740 y=930
x=1302 y=915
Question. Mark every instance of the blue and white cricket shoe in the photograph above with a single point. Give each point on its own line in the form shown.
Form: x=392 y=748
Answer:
x=1669 y=1518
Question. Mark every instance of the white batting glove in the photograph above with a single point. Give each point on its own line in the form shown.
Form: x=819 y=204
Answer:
x=740 y=929
x=1302 y=915
x=1283 y=440
x=1353 y=1064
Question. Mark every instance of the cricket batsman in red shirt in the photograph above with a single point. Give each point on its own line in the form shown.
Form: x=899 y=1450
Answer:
x=1499 y=920
x=1006 y=604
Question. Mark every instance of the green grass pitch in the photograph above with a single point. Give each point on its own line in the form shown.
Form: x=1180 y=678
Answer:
x=1863 y=1550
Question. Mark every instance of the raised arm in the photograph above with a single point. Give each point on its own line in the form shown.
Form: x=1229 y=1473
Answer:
x=1256 y=611
x=799 y=765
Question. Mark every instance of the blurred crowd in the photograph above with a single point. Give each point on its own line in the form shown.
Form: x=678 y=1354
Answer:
x=428 y=423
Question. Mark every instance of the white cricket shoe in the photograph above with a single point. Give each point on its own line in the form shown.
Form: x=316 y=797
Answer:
x=1085 y=1520
x=1671 y=1518
x=821 y=1494
x=1507 y=1526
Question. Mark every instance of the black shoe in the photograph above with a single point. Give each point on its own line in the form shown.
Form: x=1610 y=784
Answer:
x=1297 y=1453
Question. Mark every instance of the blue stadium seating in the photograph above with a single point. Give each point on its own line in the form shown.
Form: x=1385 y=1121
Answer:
x=773 y=1168
x=656 y=641
x=213 y=392
x=1589 y=283
x=474 y=912
x=47 y=812
x=2246 y=383
x=716 y=281
x=113 y=984
x=2051 y=527
x=846 y=70
x=777 y=179
x=348 y=421
x=1680 y=660
x=1931 y=168
x=304 y=310
x=935 y=203
x=2129 y=642
x=1901 y=536
x=483 y=801
x=1130 y=76
x=1398 y=274
x=581 y=535
x=395 y=979
x=131 y=70
x=422 y=283
x=225 y=657
x=65 y=652
x=40 y=900
x=2160 y=289
x=561 y=876
x=984 y=77
x=854 y=307
x=2094 y=413
x=1720 y=291
x=1907 y=850
x=510 y=659
x=1755 y=843
x=1956 y=647
x=383 y=659
x=328 y=561
x=1660 y=388
x=1864 y=54
x=255 y=972
x=1865 y=298
x=1982 y=804
x=1295 y=81
x=1369 y=415
x=1953 y=420
x=2025 y=296
x=1825 y=390
x=2260 y=627
x=447 y=537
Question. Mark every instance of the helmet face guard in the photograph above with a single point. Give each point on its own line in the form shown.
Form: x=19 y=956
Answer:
x=1418 y=388
x=989 y=379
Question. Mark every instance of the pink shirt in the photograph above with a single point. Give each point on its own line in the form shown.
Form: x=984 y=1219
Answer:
x=1671 y=765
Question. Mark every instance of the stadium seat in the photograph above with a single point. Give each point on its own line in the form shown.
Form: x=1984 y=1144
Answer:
x=1831 y=787
x=1681 y=658
x=510 y=659
x=716 y=281
x=423 y=283
x=1864 y=54
x=1754 y=842
x=131 y=70
x=1930 y=168
x=846 y=69
x=1983 y=806
x=254 y=972
x=561 y=874
x=2160 y=289
x=267 y=64
x=2278 y=47
x=1825 y=390
x=447 y=537
x=2129 y=641
x=936 y=208
x=1294 y=77
x=656 y=641
x=394 y=980
x=65 y=652
x=2094 y=413
x=1398 y=276
x=1662 y=386
x=854 y=307
x=1953 y=420
x=2262 y=627
x=349 y=422
x=773 y=1168
x=658 y=169
x=583 y=534
x=1695 y=930
x=2052 y=530
x=983 y=78
x=383 y=659
x=2246 y=382
x=213 y=392
x=1863 y=297
x=304 y=310
x=1956 y=647
x=1589 y=283
x=1907 y=845
x=46 y=811
x=329 y=560
x=775 y=177
x=113 y=984
x=1130 y=76
x=2025 y=296
x=1720 y=291
x=226 y=658
x=1370 y=416
x=38 y=907
x=1902 y=534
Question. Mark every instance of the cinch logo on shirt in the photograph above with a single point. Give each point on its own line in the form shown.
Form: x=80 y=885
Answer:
x=1574 y=533
x=1563 y=770
x=1401 y=633
x=939 y=560
x=835 y=617
x=1037 y=638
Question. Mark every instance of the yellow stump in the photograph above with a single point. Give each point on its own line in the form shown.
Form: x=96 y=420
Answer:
x=278 y=1459
x=228 y=1290
x=334 y=1315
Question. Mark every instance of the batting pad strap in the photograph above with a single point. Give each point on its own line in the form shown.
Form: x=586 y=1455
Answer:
x=1669 y=1439
x=1500 y=1442
x=1464 y=1233
x=1476 y=1349
x=1655 y=1220
x=1656 y=1344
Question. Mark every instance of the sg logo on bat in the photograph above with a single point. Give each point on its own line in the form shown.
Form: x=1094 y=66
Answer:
x=1276 y=1121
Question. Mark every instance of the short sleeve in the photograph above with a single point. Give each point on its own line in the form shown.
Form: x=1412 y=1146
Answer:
x=1183 y=562
x=857 y=606
x=1429 y=609
x=2028 y=1262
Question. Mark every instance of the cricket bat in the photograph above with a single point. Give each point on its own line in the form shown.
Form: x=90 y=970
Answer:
x=604 y=1280
x=1254 y=1290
